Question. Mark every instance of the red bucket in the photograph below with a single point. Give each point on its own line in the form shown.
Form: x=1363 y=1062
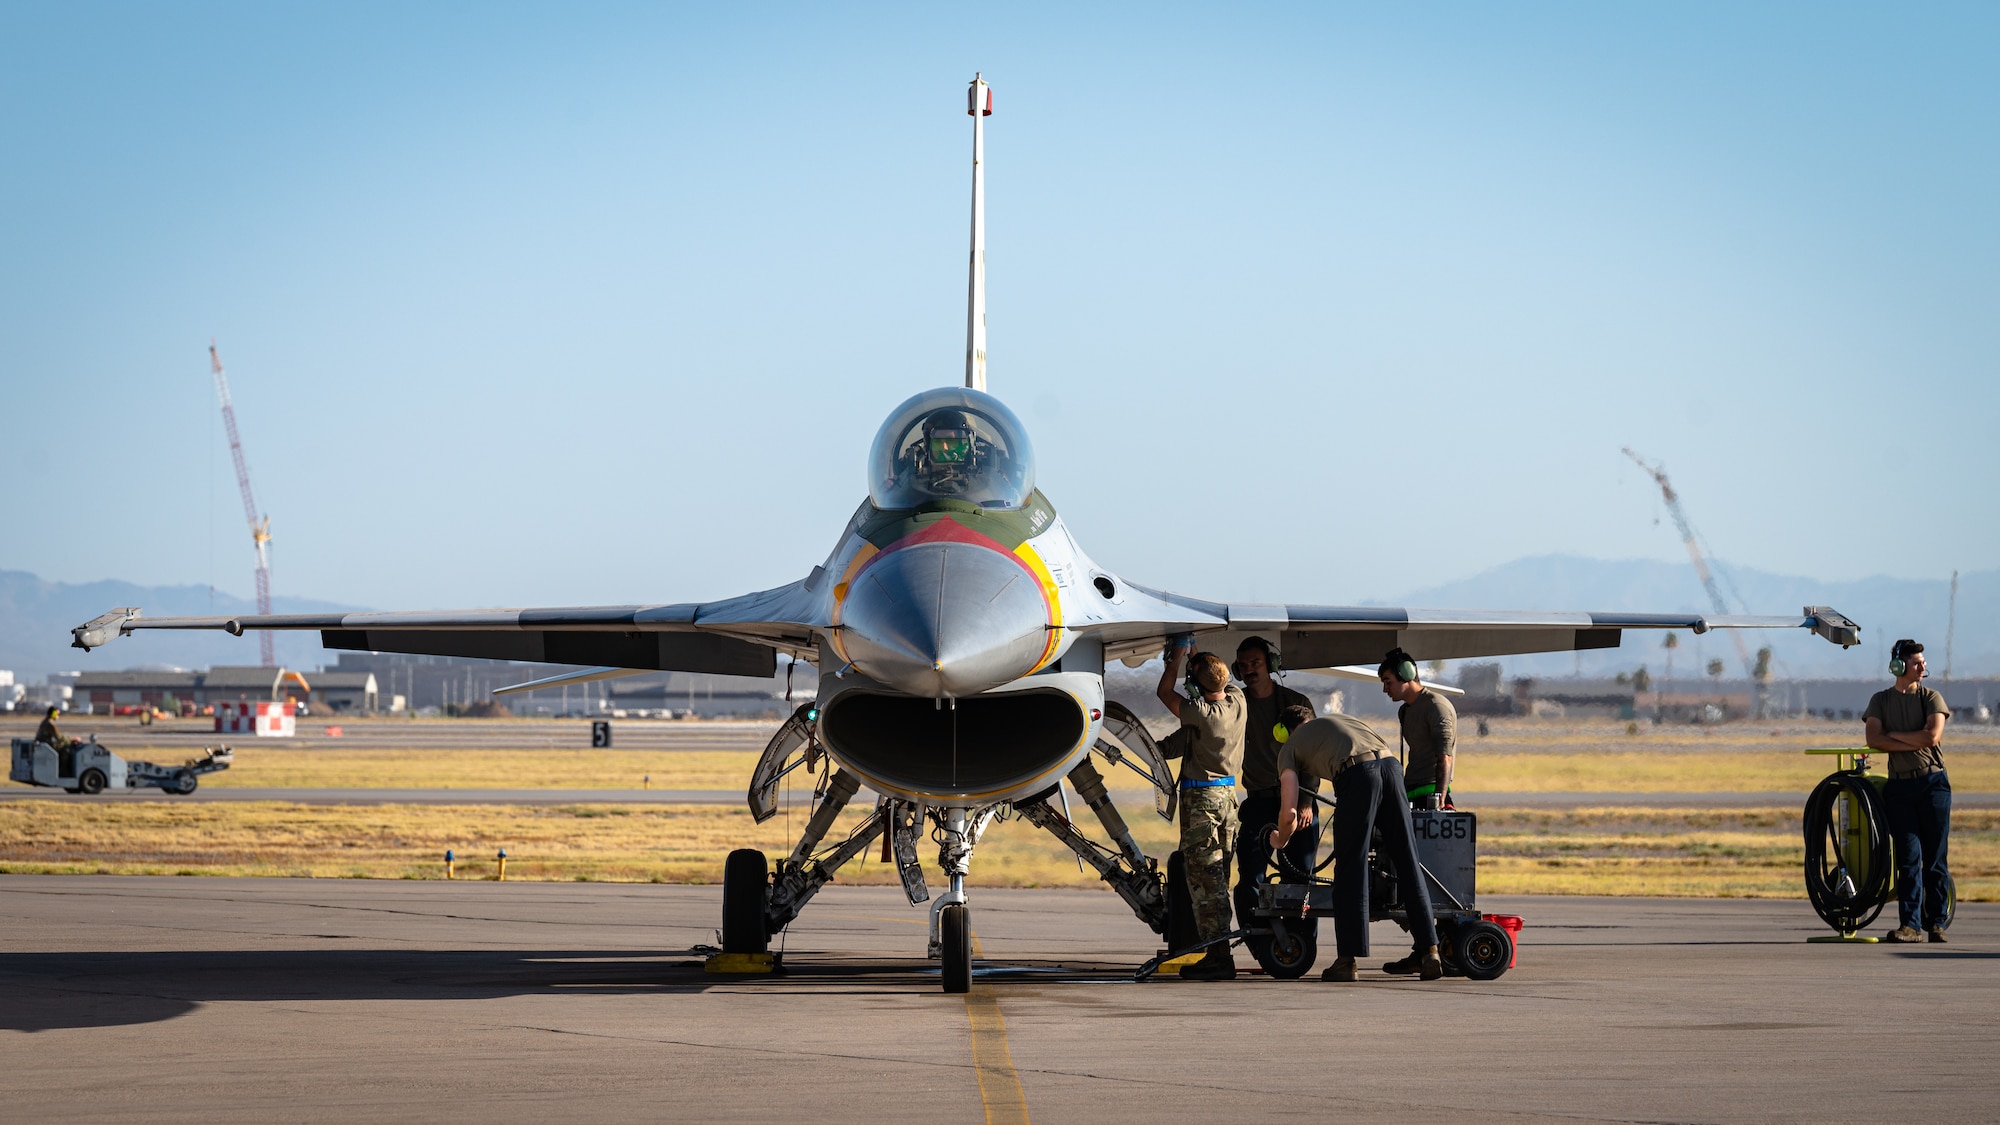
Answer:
x=1512 y=924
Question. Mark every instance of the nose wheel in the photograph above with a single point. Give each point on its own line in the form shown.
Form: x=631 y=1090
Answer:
x=955 y=938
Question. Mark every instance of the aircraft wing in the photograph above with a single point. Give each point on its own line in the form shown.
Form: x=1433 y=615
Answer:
x=1325 y=637
x=735 y=637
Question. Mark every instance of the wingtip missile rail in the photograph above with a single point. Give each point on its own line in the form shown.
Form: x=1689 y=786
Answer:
x=100 y=630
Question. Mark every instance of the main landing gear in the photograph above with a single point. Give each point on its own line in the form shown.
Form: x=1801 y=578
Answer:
x=759 y=901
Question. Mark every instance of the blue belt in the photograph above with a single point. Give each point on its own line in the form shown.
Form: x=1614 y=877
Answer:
x=1185 y=785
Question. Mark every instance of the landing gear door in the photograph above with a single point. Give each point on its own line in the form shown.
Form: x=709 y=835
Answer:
x=1136 y=749
x=796 y=744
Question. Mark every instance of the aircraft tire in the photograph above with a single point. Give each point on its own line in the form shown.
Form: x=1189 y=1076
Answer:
x=955 y=935
x=746 y=886
x=92 y=782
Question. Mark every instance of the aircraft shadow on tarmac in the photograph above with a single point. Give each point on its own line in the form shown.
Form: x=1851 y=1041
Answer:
x=61 y=990
x=48 y=991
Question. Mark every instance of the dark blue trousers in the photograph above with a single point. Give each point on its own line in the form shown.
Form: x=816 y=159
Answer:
x=1370 y=796
x=1919 y=811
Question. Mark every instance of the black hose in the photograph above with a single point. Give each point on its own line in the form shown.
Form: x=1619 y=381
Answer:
x=1846 y=900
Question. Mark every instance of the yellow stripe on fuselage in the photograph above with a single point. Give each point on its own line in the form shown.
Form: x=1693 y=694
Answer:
x=1052 y=595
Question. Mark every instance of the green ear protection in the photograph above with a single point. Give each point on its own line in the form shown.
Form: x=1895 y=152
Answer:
x=1404 y=669
x=1272 y=663
x=1899 y=654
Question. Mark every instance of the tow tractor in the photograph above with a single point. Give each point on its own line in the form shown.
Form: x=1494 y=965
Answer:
x=1278 y=920
x=90 y=768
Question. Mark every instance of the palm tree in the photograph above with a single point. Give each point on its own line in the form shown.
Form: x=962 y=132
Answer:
x=1672 y=642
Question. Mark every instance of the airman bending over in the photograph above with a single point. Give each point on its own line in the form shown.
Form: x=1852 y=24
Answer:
x=1367 y=788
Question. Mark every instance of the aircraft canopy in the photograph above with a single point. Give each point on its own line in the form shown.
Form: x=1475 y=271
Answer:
x=952 y=443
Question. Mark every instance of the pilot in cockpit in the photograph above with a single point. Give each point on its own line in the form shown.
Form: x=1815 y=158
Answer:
x=949 y=455
x=951 y=444
x=951 y=458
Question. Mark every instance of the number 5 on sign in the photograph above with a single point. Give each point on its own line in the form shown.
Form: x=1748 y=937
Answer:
x=600 y=735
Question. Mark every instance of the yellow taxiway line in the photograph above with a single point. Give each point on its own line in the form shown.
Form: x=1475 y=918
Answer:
x=992 y=1061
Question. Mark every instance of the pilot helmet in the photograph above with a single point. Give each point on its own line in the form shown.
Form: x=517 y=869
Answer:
x=948 y=437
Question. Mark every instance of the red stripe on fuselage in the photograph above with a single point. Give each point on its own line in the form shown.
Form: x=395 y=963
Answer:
x=948 y=530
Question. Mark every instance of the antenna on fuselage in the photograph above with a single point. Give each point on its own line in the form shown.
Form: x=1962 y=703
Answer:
x=978 y=104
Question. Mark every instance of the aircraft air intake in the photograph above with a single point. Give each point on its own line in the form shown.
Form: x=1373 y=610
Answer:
x=982 y=747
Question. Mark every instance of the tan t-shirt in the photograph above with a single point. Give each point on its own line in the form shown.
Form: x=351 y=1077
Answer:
x=1319 y=747
x=1430 y=730
x=1210 y=738
x=1902 y=712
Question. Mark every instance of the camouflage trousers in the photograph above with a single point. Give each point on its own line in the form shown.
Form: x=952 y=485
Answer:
x=1208 y=837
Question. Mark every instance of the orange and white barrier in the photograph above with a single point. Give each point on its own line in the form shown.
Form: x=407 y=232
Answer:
x=275 y=720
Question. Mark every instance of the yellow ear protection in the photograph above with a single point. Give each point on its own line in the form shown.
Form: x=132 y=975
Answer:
x=1272 y=663
x=1899 y=654
x=1281 y=734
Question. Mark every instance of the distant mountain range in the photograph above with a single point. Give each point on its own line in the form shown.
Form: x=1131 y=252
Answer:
x=1886 y=608
x=36 y=617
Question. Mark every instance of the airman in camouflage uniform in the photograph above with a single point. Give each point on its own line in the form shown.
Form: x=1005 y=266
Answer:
x=1210 y=744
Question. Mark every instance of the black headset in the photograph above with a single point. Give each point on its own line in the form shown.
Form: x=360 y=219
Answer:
x=1272 y=663
x=1405 y=669
x=1899 y=655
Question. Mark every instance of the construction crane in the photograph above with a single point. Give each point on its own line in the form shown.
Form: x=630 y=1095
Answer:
x=260 y=526
x=1659 y=475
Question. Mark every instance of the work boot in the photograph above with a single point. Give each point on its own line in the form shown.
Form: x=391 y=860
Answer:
x=1433 y=967
x=1216 y=964
x=1423 y=963
x=1342 y=970
x=1904 y=934
x=1937 y=934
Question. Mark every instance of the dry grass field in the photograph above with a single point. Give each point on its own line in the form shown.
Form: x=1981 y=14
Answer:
x=259 y=767
x=1610 y=850
x=1519 y=756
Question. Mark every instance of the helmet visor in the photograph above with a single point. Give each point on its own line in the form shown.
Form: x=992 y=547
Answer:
x=950 y=447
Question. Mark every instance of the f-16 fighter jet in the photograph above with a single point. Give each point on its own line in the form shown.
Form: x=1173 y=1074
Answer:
x=962 y=633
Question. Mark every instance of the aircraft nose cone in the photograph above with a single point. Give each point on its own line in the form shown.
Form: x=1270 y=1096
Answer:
x=944 y=620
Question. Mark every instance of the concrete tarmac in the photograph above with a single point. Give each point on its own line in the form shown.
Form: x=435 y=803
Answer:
x=1126 y=799
x=215 y=1000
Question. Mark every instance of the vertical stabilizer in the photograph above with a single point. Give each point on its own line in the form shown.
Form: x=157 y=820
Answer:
x=978 y=103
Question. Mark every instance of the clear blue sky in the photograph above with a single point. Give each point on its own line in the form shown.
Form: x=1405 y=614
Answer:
x=538 y=304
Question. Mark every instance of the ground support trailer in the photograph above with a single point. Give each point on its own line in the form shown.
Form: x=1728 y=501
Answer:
x=1277 y=921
